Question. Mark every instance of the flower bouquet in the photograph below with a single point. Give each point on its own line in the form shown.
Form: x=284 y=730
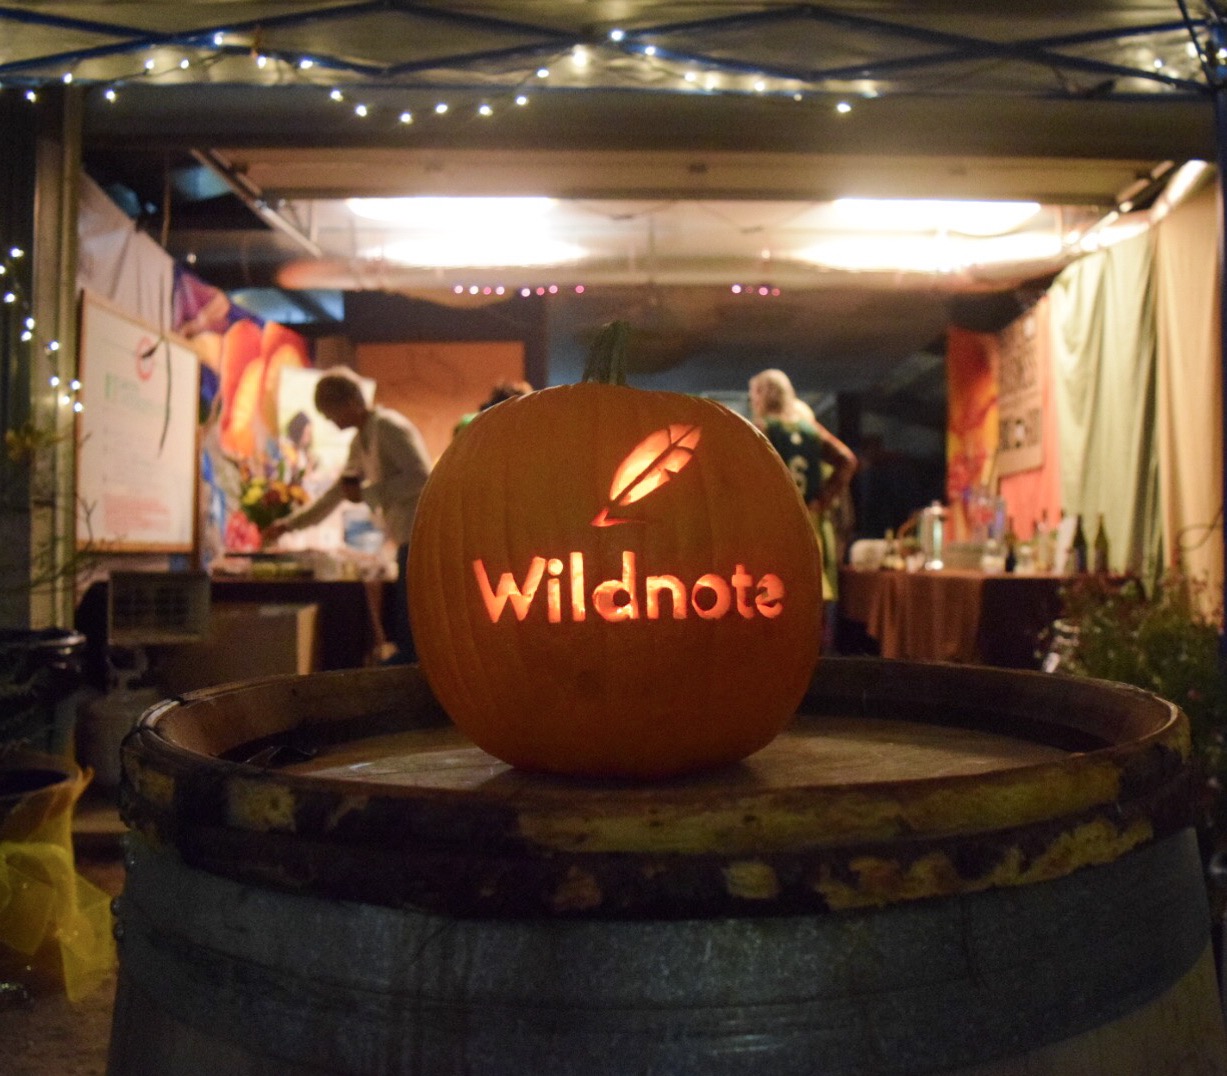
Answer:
x=269 y=490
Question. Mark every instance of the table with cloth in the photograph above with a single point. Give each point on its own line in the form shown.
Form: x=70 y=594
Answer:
x=950 y=615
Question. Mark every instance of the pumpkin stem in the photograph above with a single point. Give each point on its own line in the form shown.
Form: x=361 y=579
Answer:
x=607 y=356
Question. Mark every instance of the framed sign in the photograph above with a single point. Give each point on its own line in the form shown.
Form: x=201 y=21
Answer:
x=137 y=457
x=1020 y=401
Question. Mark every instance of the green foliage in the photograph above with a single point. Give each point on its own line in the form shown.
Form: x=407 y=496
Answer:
x=1161 y=643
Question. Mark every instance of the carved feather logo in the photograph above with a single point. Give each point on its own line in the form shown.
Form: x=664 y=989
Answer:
x=649 y=465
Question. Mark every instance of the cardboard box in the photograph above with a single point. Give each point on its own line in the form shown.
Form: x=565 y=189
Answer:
x=244 y=641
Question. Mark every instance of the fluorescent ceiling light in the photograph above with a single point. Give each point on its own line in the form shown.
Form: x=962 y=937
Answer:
x=923 y=254
x=929 y=215
x=503 y=250
x=471 y=214
x=1186 y=179
x=454 y=233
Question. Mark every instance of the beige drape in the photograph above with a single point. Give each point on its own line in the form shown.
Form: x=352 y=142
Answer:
x=1104 y=371
x=1189 y=419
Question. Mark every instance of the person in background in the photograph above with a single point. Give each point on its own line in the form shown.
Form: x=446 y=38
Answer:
x=821 y=465
x=387 y=467
x=504 y=390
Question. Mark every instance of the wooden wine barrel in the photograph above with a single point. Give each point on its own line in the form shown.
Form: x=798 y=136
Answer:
x=935 y=869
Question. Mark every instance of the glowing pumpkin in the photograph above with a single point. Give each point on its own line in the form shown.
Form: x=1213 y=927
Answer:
x=606 y=581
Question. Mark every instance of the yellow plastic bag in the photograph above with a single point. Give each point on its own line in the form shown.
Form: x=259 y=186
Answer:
x=55 y=925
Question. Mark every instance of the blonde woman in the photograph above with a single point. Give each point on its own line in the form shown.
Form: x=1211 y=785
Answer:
x=821 y=465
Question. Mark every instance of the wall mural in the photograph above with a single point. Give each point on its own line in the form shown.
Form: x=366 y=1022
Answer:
x=253 y=459
x=971 y=436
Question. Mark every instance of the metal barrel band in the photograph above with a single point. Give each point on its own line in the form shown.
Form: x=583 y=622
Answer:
x=913 y=988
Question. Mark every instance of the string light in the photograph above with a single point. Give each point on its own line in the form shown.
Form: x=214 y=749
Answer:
x=762 y=291
x=584 y=60
x=14 y=296
x=586 y=66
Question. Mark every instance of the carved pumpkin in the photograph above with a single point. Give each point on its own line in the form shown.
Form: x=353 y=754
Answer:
x=606 y=581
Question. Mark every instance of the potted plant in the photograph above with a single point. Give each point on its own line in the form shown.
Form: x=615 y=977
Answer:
x=54 y=925
x=1163 y=642
x=40 y=668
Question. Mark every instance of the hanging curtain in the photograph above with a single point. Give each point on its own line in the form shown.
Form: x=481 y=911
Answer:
x=1190 y=420
x=120 y=263
x=1104 y=374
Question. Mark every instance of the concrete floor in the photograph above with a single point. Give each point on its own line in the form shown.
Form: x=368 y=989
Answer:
x=50 y=1036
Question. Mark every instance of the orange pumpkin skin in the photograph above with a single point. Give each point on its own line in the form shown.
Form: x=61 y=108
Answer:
x=645 y=696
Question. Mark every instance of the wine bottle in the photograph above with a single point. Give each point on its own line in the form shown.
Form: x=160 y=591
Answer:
x=1078 y=551
x=1042 y=537
x=1010 y=541
x=1100 y=549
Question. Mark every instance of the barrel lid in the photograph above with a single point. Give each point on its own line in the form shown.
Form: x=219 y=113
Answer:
x=896 y=781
